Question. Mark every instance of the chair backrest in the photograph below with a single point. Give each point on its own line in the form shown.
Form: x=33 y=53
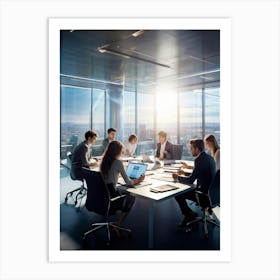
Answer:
x=213 y=196
x=98 y=197
x=69 y=156
x=73 y=173
x=214 y=190
x=177 y=151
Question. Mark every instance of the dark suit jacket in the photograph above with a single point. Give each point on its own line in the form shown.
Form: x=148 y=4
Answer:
x=168 y=149
x=204 y=172
x=105 y=143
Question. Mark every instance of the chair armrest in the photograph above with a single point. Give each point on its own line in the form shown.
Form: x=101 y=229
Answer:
x=201 y=193
x=117 y=197
x=201 y=197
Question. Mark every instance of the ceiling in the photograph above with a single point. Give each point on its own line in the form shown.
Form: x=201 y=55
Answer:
x=165 y=59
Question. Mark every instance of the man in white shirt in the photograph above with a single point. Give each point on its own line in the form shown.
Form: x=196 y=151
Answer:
x=130 y=147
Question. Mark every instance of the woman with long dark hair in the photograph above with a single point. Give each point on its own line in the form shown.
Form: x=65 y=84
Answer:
x=111 y=166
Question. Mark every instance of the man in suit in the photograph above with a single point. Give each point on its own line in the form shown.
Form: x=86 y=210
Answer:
x=203 y=172
x=164 y=147
x=111 y=135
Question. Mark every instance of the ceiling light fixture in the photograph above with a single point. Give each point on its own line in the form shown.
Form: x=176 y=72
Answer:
x=207 y=78
x=101 y=50
x=137 y=33
x=118 y=53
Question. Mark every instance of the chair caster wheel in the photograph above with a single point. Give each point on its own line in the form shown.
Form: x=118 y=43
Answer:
x=188 y=229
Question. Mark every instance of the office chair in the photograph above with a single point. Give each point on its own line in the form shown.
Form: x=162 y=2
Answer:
x=177 y=150
x=100 y=202
x=81 y=191
x=207 y=202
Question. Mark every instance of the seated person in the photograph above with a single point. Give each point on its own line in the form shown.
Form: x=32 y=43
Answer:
x=164 y=147
x=130 y=147
x=111 y=135
x=203 y=172
x=111 y=166
x=82 y=155
x=212 y=145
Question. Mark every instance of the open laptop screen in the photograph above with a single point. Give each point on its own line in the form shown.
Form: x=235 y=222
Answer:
x=135 y=170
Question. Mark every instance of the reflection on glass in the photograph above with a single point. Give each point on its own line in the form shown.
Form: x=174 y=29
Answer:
x=128 y=115
x=98 y=111
x=212 y=112
x=75 y=117
x=146 y=130
x=166 y=110
x=190 y=119
x=77 y=104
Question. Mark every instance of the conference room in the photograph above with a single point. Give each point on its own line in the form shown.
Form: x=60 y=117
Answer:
x=139 y=82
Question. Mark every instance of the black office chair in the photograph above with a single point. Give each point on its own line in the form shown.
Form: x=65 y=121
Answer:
x=81 y=191
x=207 y=202
x=100 y=202
x=177 y=151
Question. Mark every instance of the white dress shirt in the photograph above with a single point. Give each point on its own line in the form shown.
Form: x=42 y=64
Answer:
x=162 y=149
x=130 y=148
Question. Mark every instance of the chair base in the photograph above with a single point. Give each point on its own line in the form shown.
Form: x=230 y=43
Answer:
x=82 y=191
x=108 y=225
x=203 y=220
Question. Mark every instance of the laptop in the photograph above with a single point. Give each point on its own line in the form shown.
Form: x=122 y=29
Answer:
x=146 y=158
x=135 y=170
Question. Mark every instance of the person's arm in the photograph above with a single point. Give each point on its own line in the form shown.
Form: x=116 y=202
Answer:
x=158 y=150
x=217 y=159
x=129 y=182
x=188 y=179
x=185 y=165
x=168 y=151
x=126 y=151
x=104 y=145
x=121 y=170
x=84 y=156
x=133 y=149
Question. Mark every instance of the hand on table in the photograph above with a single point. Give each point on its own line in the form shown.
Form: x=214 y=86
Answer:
x=175 y=176
x=139 y=180
x=185 y=165
x=180 y=172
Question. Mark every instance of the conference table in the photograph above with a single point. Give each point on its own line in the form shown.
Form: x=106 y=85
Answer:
x=159 y=177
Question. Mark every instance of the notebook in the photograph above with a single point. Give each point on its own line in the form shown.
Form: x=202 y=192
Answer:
x=163 y=188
